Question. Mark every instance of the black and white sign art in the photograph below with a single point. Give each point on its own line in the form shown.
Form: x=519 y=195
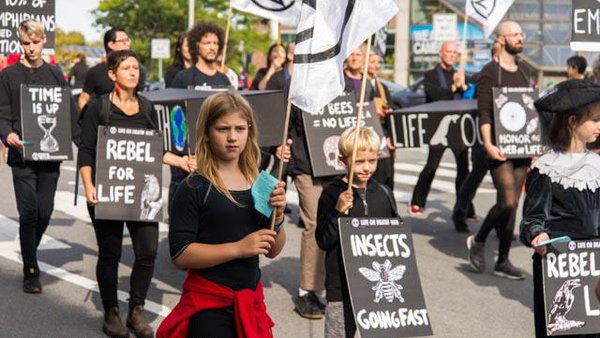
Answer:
x=13 y=12
x=172 y=120
x=571 y=271
x=46 y=123
x=129 y=174
x=324 y=128
x=516 y=122
x=451 y=123
x=383 y=279
x=585 y=28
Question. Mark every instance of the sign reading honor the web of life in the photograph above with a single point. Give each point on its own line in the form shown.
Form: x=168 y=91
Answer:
x=324 y=128
x=450 y=123
x=571 y=271
x=383 y=279
x=172 y=121
x=46 y=123
x=13 y=12
x=129 y=174
x=516 y=122
x=585 y=29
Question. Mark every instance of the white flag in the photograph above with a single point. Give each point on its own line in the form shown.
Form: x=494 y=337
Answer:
x=328 y=32
x=286 y=12
x=488 y=12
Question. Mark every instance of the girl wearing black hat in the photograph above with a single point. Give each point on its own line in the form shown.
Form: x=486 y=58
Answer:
x=563 y=187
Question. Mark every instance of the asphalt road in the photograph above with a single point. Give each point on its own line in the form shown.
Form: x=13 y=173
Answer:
x=460 y=303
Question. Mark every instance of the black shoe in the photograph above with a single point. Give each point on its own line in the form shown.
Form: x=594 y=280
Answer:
x=113 y=326
x=507 y=270
x=32 y=284
x=306 y=307
x=460 y=225
x=317 y=301
x=137 y=324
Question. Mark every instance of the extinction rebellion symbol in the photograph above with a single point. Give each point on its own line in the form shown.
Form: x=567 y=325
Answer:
x=484 y=7
x=274 y=5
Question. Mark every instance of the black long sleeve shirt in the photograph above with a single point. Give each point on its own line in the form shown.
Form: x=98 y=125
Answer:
x=11 y=79
x=434 y=91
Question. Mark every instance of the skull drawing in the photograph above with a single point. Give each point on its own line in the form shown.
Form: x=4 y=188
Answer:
x=331 y=151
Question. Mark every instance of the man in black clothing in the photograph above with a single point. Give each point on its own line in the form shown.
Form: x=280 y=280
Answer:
x=96 y=80
x=78 y=71
x=442 y=83
x=34 y=182
x=205 y=41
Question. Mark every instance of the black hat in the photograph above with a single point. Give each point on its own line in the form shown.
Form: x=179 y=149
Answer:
x=568 y=96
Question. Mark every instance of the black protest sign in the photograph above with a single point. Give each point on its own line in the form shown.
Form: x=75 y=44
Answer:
x=129 y=174
x=323 y=130
x=585 y=25
x=46 y=123
x=172 y=120
x=451 y=123
x=13 y=12
x=383 y=279
x=571 y=271
x=517 y=124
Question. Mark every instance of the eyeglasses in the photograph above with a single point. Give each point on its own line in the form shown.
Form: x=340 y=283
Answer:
x=514 y=35
x=126 y=40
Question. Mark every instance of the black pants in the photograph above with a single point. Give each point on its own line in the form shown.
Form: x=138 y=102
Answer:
x=468 y=188
x=109 y=235
x=434 y=157
x=212 y=323
x=508 y=177
x=35 y=186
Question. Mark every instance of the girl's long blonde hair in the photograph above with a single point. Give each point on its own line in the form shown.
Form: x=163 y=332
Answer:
x=212 y=109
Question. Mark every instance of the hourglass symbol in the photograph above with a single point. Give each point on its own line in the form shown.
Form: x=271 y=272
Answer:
x=48 y=143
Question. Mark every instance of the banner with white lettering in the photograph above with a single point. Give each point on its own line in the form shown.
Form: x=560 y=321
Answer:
x=447 y=123
x=172 y=120
x=46 y=123
x=383 y=279
x=517 y=124
x=324 y=128
x=570 y=276
x=13 y=12
x=585 y=29
x=129 y=174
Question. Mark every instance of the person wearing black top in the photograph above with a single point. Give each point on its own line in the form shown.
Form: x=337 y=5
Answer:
x=563 y=198
x=96 y=81
x=78 y=71
x=206 y=40
x=442 y=83
x=34 y=182
x=126 y=110
x=275 y=61
x=183 y=60
x=508 y=175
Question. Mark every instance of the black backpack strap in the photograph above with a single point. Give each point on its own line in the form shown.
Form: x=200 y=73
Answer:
x=391 y=199
x=105 y=111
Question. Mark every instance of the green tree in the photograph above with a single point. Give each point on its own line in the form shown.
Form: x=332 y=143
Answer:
x=66 y=57
x=144 y=20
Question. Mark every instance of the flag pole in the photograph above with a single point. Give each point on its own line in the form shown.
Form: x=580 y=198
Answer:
x=463 y=52
x=279 y=34
x=283 y=145
x=363 y=87
x=229 y=15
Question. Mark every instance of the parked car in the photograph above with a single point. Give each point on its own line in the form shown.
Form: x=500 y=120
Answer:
x=403 y=97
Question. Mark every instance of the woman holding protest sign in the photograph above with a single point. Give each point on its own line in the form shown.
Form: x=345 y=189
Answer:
x=216 y=232
x=121 y=108
x=563 y=194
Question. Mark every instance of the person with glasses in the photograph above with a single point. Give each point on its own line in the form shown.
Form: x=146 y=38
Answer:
x=97 y=81
x=508 y=174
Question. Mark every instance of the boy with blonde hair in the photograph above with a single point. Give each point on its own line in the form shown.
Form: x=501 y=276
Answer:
x=366 y=198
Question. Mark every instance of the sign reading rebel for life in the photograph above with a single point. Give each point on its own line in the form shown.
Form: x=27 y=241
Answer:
x=13 y=12
x=324 y=128
x=383 y=280
x=516 y=122
x=46 y=123
x=129 y=174
x=571 y=271
x=173 y=121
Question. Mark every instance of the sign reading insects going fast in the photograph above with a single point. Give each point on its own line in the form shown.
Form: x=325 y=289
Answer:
x=383 y=280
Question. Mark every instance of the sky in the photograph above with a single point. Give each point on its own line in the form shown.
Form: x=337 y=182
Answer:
x=75 y=16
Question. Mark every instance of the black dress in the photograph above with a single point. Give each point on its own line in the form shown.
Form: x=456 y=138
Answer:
x=563 y=199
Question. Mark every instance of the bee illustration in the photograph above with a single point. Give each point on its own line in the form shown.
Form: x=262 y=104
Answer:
x=385 y=277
